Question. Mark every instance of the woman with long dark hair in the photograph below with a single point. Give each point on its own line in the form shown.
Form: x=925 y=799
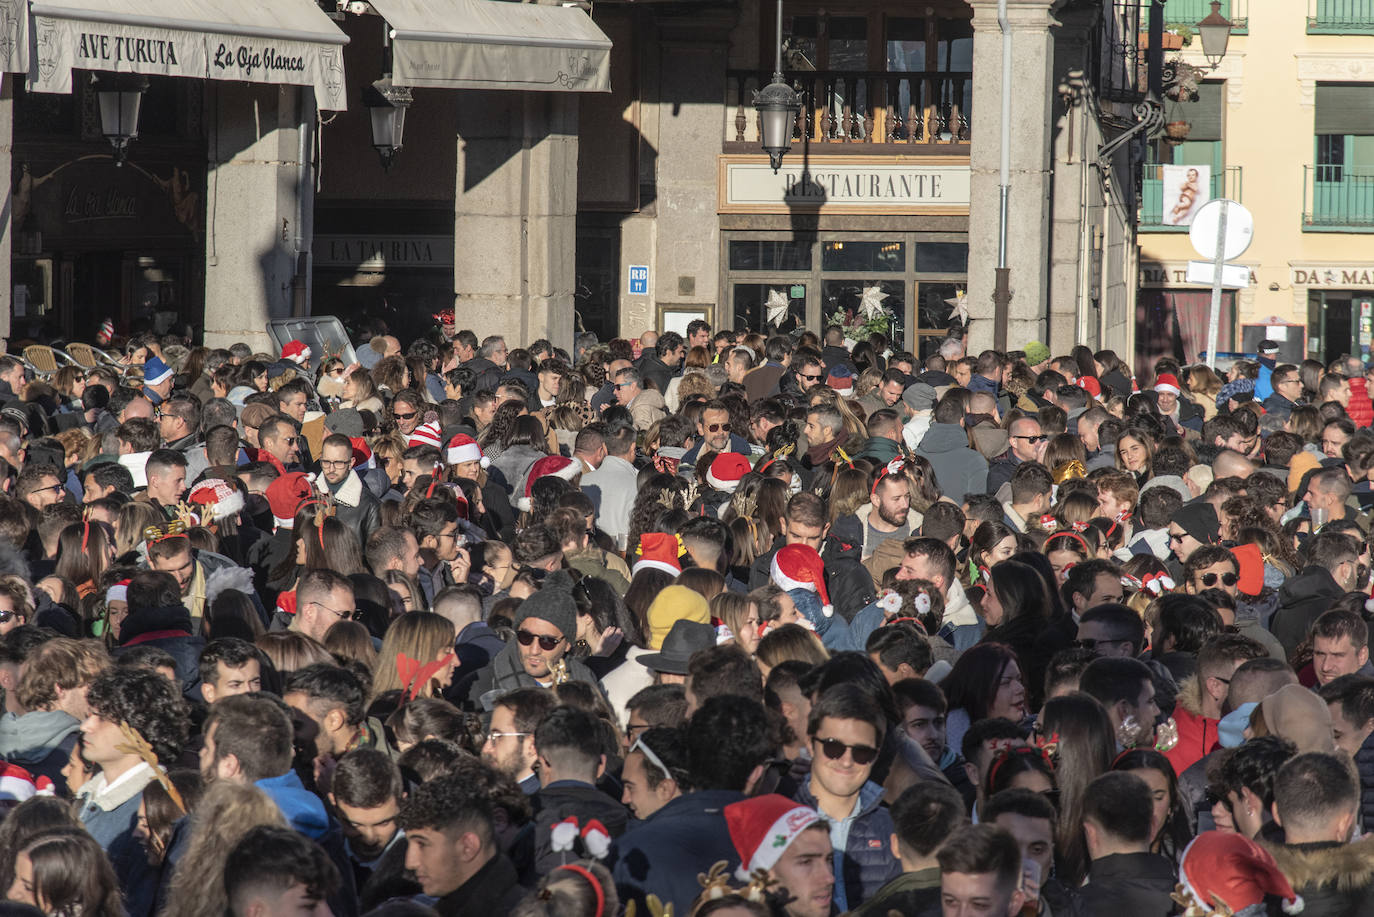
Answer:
x=1016 y=609
x=985 y=682
x=1172 y=828
x=1085 y=744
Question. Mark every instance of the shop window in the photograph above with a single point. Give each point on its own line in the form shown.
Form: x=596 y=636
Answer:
x=764 y=255
x=885 y=257
x=1173 y=323
x=942 y=257
x=777 y=307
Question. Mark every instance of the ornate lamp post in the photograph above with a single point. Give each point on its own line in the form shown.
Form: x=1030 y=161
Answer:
x=777 y=105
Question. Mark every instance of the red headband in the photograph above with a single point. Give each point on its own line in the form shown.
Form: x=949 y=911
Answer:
x=85 y=533
x=1087 y=551
x=591 y=878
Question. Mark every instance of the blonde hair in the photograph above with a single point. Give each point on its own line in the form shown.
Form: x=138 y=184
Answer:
x=790 y=641
x=291 y=651
x=421 y=635
x=226 y=813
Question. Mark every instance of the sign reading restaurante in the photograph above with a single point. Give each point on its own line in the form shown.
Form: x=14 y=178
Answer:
x=858 y=184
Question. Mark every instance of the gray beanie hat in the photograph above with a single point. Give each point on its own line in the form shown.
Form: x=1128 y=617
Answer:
x=553 y=603
x=920 y=396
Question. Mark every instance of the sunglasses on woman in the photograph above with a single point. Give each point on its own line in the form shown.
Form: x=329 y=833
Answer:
x=834 y=749
x=546 y=643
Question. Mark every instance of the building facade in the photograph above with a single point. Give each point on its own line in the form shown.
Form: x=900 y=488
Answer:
x=605 y=173
x=1308 y=68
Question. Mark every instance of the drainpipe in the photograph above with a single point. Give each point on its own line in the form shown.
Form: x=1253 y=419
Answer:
x=1001 y=296
x=305 y=202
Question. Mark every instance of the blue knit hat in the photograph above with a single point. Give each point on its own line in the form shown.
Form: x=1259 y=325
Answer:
x=1239 y=389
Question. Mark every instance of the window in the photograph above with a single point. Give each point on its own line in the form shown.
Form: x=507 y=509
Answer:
x=778 y=281
x=1341 y=180
x=1204 y=146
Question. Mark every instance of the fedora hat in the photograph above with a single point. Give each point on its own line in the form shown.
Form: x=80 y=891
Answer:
x=683 y=641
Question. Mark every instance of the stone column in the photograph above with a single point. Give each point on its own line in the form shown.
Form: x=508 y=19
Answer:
x=515 y=212
x=693 y=57
x=1076 y=196
x=1032 y=84
x=251 y=210
x=6 y=223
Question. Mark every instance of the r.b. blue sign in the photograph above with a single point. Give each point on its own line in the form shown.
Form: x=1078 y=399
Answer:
x=639 y=280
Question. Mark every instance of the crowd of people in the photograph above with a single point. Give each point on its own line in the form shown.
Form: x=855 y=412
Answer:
x=697 y=624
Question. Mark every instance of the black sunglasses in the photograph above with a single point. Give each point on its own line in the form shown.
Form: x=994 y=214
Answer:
x=834 y=749
x=546 y=643
x=399 y=416
x=1228 y=579
x=1094 y=644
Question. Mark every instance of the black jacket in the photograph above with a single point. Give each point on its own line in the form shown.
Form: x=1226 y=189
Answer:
x=834 y=356
x=567 y=798
x=654 y=370
x=1302 y=599
x=167 y=628
x=1129 y=885
x=848 y=583
x=493 y=890
x=1333 y=879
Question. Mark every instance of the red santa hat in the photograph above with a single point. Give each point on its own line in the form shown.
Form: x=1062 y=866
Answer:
x=218 y=498
x=362 y=453
x=285 y=496
x=1231 y=871
x=555 y=465
x=798 y=566
x=296 y=351
x=726 y=470
x=763 y=827
x=1168 y=382
x=1090 y=385
x=463 y=448
x=658 y=551
x=18 y=785
x=426 y=434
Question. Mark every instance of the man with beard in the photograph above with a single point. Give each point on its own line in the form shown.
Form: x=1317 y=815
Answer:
x=510 y=738
x=365 y=794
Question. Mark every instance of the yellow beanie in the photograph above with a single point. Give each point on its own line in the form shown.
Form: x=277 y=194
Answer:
x=673 y=604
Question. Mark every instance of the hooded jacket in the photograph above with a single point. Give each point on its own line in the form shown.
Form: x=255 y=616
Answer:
x=168 y=628
x=513 y=466
x=664 y=854
x=571 y=798
x=41 y=742
x=507 y=672
x=961 y=625
x=1197 y=734
x=1333 y=879
x=959 y=470
x=849 y=585
x=1303 y=599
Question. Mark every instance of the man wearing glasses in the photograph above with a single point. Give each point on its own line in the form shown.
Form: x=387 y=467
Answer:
x=715 y=434
x=807 y=373
x=323 y=599
x=1027 y=444
x=646 y=406
x=1287 y=391
x=280 y=444
x=545 y=629
x=406 y=412
x=358 y=506
x=40 y=486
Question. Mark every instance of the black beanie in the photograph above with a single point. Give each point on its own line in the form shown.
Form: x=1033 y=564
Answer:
x=553 y=603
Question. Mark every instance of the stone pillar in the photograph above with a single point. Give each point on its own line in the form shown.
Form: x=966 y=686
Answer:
x=6 y=223
x=515 y=213
x=1075 y=196
x=693 y=57
x=251 y=210
x=1032 y=85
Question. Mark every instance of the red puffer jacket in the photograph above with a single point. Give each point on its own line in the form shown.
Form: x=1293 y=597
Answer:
x=1361 y=409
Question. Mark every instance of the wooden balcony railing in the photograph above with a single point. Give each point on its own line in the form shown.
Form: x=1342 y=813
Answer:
x=860 y=108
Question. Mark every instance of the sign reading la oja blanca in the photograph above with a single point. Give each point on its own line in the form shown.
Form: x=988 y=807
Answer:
x=66 y=44
x=859 y=184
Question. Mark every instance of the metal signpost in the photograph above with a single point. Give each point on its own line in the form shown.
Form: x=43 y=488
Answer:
x=1221 y=230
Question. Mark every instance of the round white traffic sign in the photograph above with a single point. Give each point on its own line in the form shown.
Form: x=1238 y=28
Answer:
x=1240 y=229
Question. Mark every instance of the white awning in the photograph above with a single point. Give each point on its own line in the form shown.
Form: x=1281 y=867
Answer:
x=14 y=36
x=493 y=44
x=284 y=41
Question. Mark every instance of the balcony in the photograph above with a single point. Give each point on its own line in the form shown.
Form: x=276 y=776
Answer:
x=1226 y=183
x=860 y=111
x=1336 y=200
x=1340 y=17
x=1190 y=12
